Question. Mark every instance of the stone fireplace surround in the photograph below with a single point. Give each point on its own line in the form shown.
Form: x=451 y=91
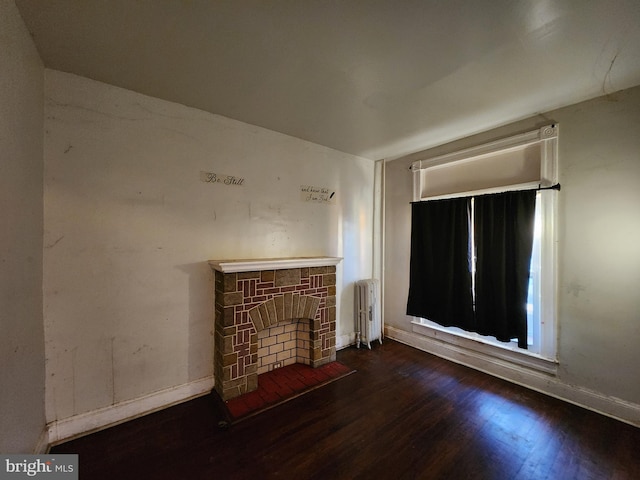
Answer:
x=271 y=313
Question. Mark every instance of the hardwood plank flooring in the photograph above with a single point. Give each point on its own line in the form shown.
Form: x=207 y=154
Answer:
x=404 y=414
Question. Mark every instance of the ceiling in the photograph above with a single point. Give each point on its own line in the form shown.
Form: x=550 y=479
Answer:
x=374 y=78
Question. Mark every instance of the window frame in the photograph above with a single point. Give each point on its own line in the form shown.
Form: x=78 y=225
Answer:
x=544 y=349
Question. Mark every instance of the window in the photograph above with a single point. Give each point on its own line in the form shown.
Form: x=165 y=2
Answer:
x=521 y=162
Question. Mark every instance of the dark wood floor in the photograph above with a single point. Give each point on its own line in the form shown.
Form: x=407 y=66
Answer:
x=403 y=415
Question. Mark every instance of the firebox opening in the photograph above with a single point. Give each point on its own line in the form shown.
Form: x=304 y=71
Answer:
x=284 y=344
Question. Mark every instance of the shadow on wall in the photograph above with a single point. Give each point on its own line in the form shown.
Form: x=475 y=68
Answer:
x=201 y=318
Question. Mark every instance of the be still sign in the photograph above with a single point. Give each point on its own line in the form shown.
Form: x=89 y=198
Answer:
x=219 y=178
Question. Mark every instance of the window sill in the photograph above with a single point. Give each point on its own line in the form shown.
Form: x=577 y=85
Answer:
x=479 y=346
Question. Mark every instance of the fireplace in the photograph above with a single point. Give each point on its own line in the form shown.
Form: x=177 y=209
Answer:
x=271 y=313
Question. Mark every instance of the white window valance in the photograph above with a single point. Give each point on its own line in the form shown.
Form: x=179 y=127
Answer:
x=522 y=161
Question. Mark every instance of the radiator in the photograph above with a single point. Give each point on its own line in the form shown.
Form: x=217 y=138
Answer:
x=367 y=310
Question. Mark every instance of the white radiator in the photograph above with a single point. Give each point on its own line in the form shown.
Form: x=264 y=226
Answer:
x=367 y=310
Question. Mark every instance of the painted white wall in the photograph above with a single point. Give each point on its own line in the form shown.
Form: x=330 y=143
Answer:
x=599 y=258
x=129 y=227
x=22 y=419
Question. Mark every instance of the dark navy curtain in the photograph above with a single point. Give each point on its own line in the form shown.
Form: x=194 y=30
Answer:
x=440 y=278
x=440 y=275
x=504 y=238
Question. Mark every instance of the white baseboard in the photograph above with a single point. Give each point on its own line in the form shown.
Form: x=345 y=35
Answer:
x=619 y=409
x=343 y=341
x=78 y=425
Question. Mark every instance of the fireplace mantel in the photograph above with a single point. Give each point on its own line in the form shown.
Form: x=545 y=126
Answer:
x=259 y=264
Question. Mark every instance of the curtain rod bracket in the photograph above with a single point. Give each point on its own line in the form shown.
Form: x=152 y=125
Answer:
x=557 y=186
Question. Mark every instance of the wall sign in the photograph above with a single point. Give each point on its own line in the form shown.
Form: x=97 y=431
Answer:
x=309 y=193
x=210 y=177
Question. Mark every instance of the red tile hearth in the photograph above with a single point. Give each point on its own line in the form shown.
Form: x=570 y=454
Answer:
x=283 y=384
